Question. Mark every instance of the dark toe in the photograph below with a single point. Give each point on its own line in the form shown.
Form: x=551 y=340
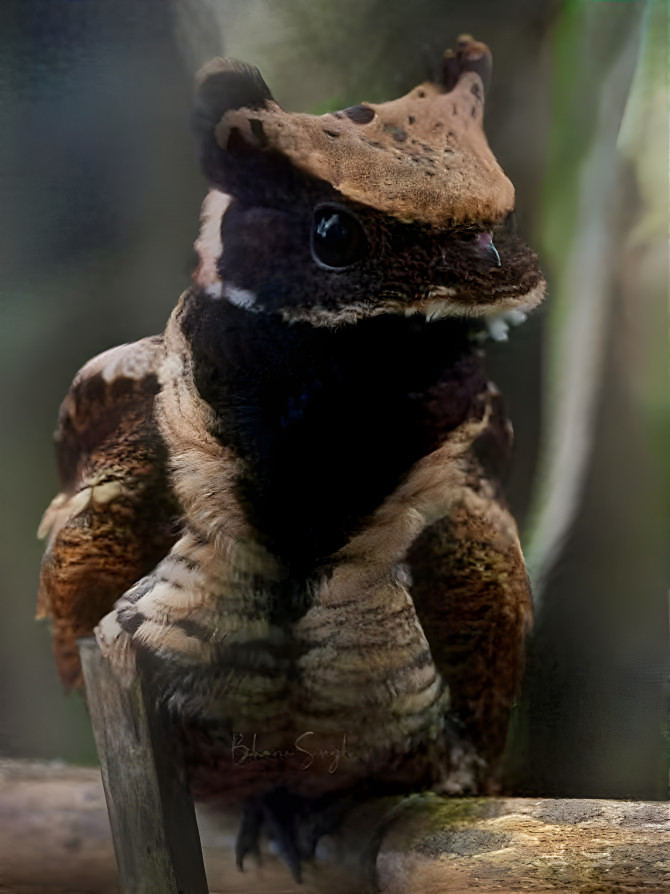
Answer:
x=293 y=823
x=248 y=837
x=281 y=810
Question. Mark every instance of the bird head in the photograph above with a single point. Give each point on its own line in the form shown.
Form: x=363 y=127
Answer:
x=398 y=207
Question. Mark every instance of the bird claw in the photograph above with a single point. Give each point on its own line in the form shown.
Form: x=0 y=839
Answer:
x=277 y=812
x=247 y=841
x=294 y=824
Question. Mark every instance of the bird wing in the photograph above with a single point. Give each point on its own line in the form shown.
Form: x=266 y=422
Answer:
x=115 y=516
x=471 y=593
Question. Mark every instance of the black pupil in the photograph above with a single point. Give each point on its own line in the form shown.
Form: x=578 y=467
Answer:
x=338 y=239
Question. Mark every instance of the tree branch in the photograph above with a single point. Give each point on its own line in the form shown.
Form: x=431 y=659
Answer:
x=56 y=838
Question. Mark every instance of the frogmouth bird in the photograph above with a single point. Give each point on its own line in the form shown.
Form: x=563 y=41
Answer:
x=290 y=501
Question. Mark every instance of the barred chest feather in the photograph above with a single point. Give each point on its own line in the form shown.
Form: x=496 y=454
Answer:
x=293 y=614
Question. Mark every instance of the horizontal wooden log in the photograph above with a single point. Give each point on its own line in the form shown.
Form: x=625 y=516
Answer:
x=55 y=837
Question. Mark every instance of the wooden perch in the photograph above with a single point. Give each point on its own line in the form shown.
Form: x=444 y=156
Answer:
x=150 y=807
x=55 y=837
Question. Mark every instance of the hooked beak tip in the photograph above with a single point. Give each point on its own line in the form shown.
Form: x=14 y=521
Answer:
x=487 y=248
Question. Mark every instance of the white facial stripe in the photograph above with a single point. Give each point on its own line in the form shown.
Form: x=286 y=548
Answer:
x=208 y=245
x=241 y=298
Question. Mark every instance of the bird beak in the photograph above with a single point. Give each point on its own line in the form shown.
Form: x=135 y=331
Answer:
x=487 y=248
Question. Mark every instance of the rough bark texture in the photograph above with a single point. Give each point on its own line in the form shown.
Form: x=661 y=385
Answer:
x=148 y=798
x=55 y=838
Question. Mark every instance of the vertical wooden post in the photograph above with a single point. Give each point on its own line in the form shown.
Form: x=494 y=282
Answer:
x=151 y=811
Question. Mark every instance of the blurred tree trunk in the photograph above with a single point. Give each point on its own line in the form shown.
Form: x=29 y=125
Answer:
x=593 y=714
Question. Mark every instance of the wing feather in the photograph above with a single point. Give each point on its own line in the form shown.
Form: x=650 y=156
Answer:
x=116 y=515
x=472 y=595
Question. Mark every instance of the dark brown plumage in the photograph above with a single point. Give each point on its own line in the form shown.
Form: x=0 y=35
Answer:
x=115 y=516
x=293 y=492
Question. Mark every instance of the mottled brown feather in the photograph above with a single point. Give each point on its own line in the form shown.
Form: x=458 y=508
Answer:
x=114 y=517
x=472 y=596
x=423 y=157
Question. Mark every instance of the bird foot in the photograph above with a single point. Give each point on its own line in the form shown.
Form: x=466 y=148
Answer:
x=295 y=825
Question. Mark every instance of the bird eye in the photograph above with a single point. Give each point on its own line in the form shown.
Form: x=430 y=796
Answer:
x=338 y=238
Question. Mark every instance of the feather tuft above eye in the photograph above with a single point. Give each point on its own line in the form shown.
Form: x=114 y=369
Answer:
x=223 y=85
x=470 y=55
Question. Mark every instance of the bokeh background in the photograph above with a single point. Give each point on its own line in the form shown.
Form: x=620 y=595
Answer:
x=98 y=213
